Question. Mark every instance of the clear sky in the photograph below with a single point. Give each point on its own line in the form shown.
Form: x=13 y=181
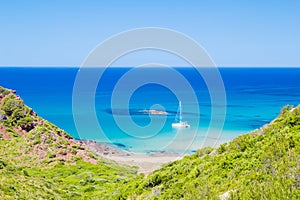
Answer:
x=235 y=33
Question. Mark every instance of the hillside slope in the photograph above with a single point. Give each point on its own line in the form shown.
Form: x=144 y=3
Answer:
x=39 y=160
x=264 y=164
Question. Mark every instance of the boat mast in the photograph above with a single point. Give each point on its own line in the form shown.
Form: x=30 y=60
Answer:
x=180 y=117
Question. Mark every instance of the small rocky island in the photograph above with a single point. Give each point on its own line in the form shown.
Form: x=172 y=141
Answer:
x=153 y=112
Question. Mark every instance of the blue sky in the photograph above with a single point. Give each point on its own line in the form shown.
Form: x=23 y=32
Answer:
x=234 y=33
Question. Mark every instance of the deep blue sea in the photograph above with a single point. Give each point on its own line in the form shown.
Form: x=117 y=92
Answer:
x=254 y=97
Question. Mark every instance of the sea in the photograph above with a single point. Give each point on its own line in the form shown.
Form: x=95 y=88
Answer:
x=116 y=111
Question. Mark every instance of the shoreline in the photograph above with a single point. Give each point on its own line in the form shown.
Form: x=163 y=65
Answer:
x=146 y=163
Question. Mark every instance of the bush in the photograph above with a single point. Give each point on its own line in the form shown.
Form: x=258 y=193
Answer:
x=77 y=146
x=18 y=114
x=10 y=104
x=89 y=189
x=10 y=130
x=68 y=136
x=25 y=173
x=51 y=155
x=26 y=123
x=63 y=152
x=3 y=92
x=2 y=164
x=204 y=151
x=73 y=151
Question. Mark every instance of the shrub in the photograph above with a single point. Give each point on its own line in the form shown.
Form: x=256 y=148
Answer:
x=204 y=151
x=3 y=92
x=18 y=114
x=68 y=136
x=63 y=152
x=26 y=123
x=73 y=151
x=90 y=189
x=77 y=146
x=51 y=155
x=25 y=173
x=10 y=104
x=9 y=130
x=2 y=164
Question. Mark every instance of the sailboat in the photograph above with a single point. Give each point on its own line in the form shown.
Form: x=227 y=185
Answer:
x=180 y=124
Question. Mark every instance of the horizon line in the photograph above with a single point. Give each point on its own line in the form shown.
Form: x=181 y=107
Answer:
x=127 y=66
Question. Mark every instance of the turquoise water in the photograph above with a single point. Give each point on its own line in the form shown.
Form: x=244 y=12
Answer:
x=254 y=97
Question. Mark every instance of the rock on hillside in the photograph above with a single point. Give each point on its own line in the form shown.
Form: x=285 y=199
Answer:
x=42 y=138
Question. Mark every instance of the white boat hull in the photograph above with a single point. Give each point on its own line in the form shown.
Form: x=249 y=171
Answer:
x=180 y=125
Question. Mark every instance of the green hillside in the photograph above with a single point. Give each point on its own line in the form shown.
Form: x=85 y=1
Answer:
x=40 y=161
x=264 y=164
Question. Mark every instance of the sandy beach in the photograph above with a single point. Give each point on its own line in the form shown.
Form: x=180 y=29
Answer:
x=147 y=163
